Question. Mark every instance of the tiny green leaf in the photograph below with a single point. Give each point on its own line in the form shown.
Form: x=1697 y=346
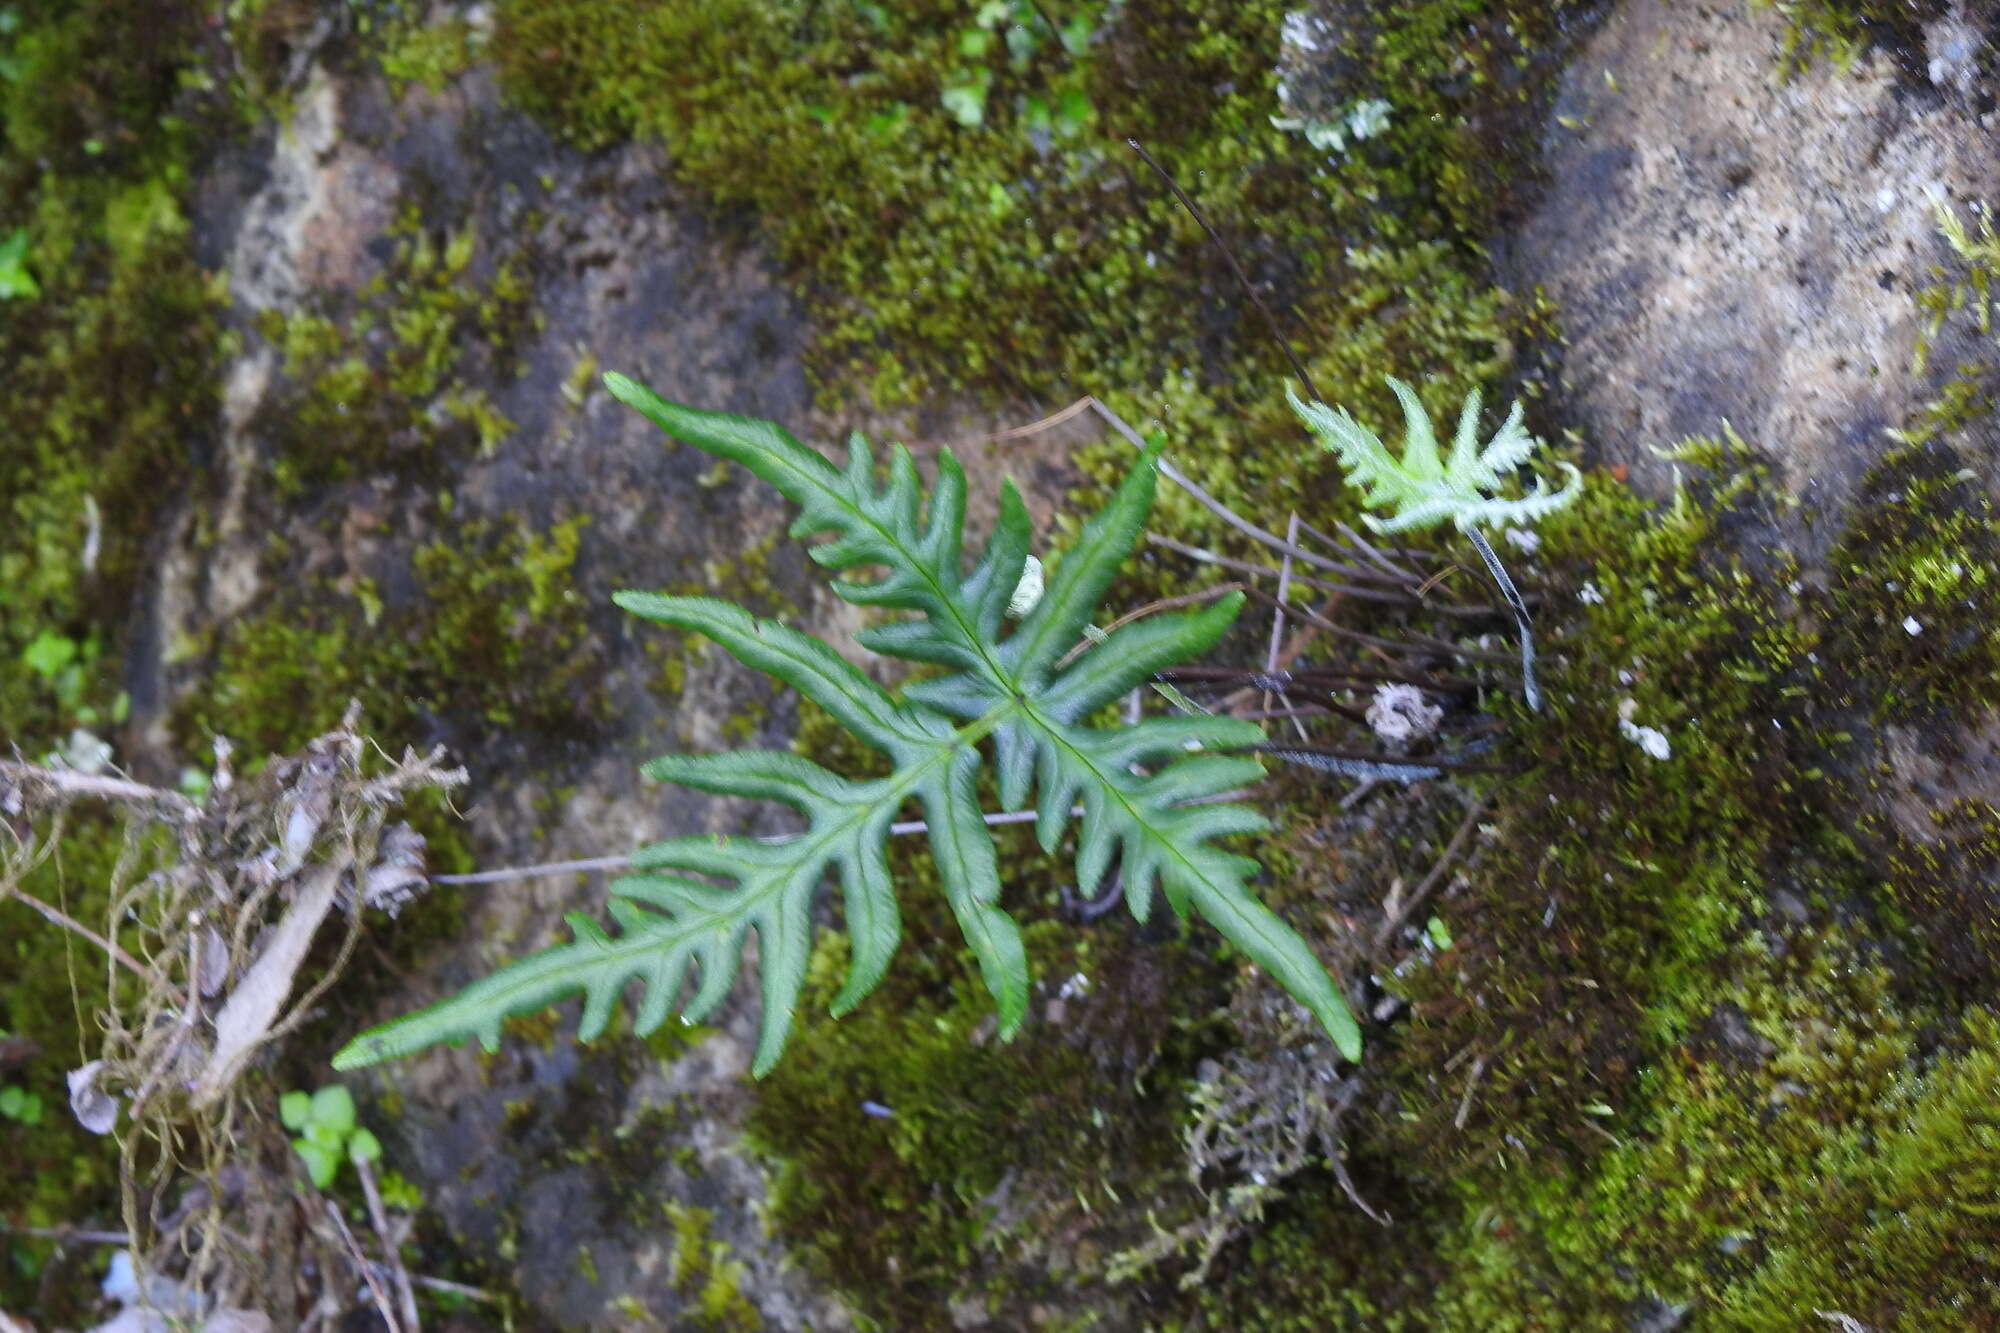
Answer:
x=321 y=1162
x=965 y=99
x=48 y=653
x=15 y=280
x=364 y=1147
x=333 y=1107
x=295 y=1110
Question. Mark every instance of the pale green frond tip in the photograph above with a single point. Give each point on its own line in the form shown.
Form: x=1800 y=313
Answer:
x=1422 y=489
x=1002 y=632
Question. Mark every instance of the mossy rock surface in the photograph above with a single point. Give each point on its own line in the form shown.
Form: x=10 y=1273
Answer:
x=1701 y=1041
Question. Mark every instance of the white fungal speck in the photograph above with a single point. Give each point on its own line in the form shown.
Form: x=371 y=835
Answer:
x=1912 y=626
x=1650 y=739
x=1400 y=714
x=1590 y=596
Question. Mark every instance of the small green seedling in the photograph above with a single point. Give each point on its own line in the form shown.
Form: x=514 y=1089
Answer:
x=21 y=1105
x=1423 y=488
x=15 y=280
x=324 y=1123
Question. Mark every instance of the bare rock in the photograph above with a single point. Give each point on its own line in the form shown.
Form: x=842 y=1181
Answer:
x=1726 y=245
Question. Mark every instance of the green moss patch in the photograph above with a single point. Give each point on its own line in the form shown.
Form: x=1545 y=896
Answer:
x=1030 y=252
x=109 y=338
x=110 y=361
x=1843 y=30
x=492 y=636
x=1917 y=589
x=393 y=376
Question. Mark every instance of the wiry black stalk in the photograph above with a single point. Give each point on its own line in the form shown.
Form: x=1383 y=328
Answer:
x=1529 y=691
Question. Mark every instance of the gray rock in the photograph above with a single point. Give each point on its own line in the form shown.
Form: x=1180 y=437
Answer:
x=1725 y=246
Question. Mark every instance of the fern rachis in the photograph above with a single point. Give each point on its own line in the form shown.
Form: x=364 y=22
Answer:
x=1013 y=692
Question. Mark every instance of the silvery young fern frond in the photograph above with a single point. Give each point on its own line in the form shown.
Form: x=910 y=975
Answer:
x=695 y=898
x=1422 y=487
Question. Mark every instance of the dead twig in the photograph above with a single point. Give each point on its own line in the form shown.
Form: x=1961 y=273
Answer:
x=1465 y=1102
x=1405 y=909
x=1395 y=590
x=391 y=1243
x=1323 y=678
x=353 y=1248
x=1278 y=620
x=1406 y=646
x=455 y=1288
x=56 y=916
x=1435 y=764
x=1348 y=1093
x=69 y=785
x=1242 y=278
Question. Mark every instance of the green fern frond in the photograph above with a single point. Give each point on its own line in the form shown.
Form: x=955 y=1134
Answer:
x=1421 y=489
x=1143 y=788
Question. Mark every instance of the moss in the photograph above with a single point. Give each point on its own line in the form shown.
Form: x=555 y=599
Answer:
x=390 y=377
x=429 y=54
x=1619 y=884
x=492 y=634
x=1946 y=881
x=1915 y=589
x=1842 y=31
x=1965 y=399
x=53 y=1174
x=996 y=256
x=1682 y=1053
x=1312 y=1266
x=948 y=257
x=987 y=1149
x=109 y=368
x=705 y=1274
x=1820 y=1158
x=109 y=392
x=1966 y=285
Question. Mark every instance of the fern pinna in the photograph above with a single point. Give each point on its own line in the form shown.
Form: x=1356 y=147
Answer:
x=1140 y=787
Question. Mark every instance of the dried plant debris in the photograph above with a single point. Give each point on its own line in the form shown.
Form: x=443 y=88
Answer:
x=215 y=906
